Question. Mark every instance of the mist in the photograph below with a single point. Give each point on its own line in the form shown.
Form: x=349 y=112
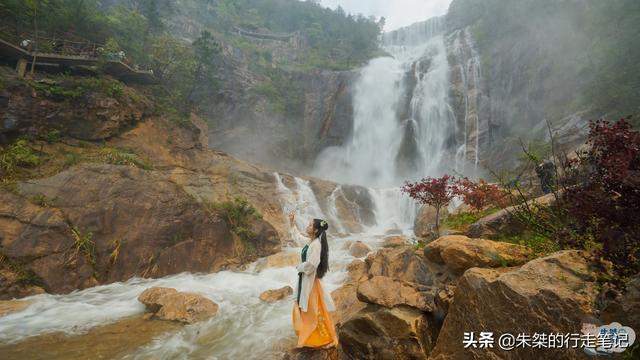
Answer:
x=399 y=13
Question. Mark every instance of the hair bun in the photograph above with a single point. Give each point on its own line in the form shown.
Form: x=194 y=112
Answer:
x=324 y=225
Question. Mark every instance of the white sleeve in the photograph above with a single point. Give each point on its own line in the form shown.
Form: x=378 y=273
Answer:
x=313 y=259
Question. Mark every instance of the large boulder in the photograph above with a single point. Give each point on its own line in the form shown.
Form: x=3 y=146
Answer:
x=169 y=304
x=394 y=241
x=504 y=222
x=378 y=332
x=345 y=297
x=359 y=249
x=460 y=253
x=271 y=296
x=553 y=294
x=389 y=292
x=402 y=263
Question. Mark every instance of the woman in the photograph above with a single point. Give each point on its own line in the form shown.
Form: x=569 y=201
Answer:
x=311 y=319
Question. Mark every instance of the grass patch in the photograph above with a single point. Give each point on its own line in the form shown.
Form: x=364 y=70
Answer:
x=238 y=214
x=463 y=220
x=540 y=245
x=84 y=243
x=42 y=200
x=68 y=88
x=118 y=156
x=19 y=154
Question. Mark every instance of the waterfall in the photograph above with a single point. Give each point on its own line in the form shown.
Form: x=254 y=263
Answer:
x=470 y=71
x=402 y=117
x=402 y=122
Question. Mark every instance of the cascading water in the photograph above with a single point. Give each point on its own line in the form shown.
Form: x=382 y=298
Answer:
x=402 y=122
x=470 y=72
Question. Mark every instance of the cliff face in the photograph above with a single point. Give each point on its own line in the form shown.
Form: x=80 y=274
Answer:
x=316 y=114
x=516 y=65
x=272 y=107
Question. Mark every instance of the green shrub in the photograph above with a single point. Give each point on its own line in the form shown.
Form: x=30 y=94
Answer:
x=238 y=213
x=42 y=200
x=19 y=154
x=52 y=136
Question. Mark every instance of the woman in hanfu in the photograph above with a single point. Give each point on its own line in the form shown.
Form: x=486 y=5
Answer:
x=311 y=320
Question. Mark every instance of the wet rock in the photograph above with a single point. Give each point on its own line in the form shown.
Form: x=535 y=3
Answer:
x=390 y=292
x=150 y=297
x=359 y=249
x=460 y=253
x=169 y=304
x=377 y=332
x=549 y=295
x=12 y=306
x=347 y=304
x=276 y=295
x=345 y=297
x=279 y=260
x=402 y=263
x=394 y=241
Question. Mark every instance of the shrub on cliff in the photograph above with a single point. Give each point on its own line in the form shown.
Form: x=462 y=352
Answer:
x=238 y=214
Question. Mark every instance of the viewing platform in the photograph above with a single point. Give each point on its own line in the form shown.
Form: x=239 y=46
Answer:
x=116 y=68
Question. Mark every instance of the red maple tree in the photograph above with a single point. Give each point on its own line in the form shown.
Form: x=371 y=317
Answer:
x=436 y=192
x=478 y=195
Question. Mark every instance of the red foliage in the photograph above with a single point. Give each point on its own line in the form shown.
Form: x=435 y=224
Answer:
x=479 y=195
x=436 y=192
x=606 y=202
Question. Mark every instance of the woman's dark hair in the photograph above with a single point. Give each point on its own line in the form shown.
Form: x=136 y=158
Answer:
x=320 y=228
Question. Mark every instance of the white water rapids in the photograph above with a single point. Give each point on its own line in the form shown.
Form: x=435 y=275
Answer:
x=244 y=328
x=401 y=122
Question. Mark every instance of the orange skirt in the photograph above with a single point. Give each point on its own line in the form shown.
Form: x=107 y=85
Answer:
x=314 y=327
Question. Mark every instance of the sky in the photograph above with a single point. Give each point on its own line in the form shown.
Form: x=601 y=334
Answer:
x=398 y=13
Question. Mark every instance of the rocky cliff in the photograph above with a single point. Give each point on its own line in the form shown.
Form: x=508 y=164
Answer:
x=516 y=65
x=272 y=106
